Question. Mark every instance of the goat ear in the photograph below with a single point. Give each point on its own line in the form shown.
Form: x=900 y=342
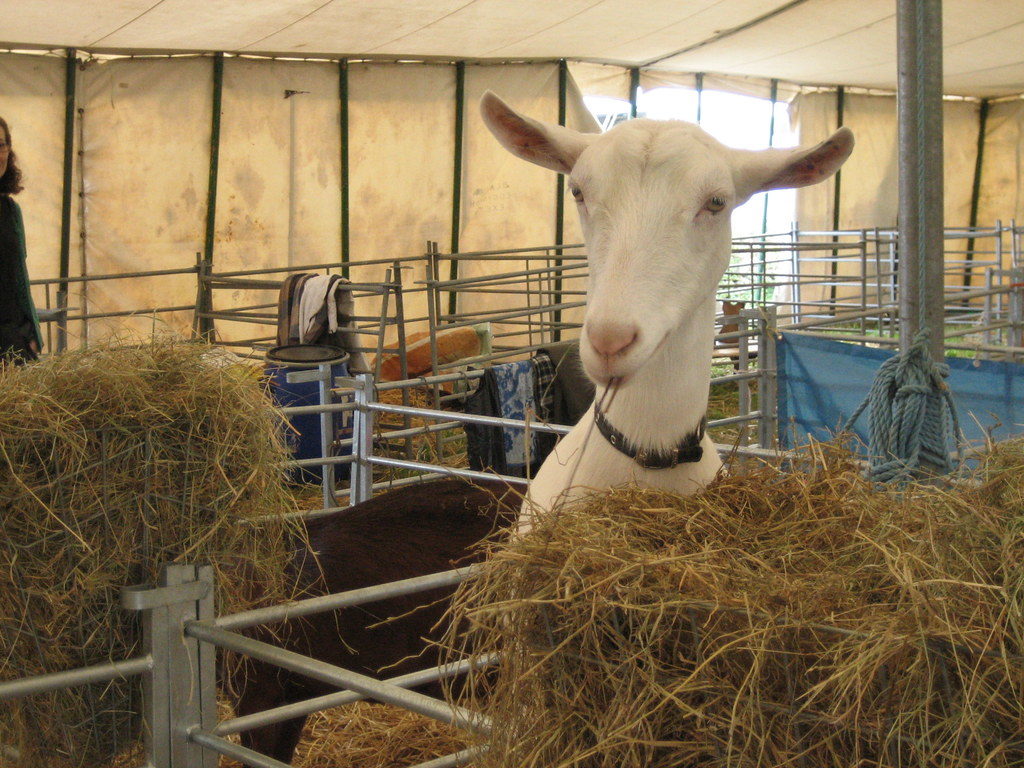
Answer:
x=789 y=168
x=550 y=146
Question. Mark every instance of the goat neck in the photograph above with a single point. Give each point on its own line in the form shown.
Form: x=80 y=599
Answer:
x=665 y=399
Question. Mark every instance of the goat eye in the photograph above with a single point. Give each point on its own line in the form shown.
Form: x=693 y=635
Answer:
x=715 y=204
x=577 y=193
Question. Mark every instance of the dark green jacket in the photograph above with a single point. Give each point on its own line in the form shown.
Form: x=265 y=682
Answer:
x=24 y=294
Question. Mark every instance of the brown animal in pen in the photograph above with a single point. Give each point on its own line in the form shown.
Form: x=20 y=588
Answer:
x=408 y=532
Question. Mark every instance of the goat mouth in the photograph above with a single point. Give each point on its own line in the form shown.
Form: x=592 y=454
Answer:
x=606 y=371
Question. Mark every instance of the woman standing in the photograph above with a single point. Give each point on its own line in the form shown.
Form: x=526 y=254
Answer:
x=20 y=339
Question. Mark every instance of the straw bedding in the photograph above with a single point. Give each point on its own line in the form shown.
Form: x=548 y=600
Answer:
x=113 y=461
x=777 y=618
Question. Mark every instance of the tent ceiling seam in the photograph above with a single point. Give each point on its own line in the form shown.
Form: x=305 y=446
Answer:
x=728 y=32
x=549 y=26
x=289 y=24
x=128 y=23
x=460 y=9
x=819 y=41
x=659 y=30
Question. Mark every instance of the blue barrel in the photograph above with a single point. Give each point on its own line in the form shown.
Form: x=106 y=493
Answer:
x=304 y=436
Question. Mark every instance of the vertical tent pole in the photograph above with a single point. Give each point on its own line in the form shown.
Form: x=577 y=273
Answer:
x=774 y=96
x=700 y=94
x=343 y=128
x=293 y=165
x=205 y=323
x=70 y=69
x=919 y=112
x=836 y=196
x=976 y=187
x=761 y=294
x=840 y=119
x=634 y=90
x=563 y=89
x=460 y=110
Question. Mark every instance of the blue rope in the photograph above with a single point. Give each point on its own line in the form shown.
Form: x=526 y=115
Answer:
x=909 y=429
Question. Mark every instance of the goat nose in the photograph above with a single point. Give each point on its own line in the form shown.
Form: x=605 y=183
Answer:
x=610 y=339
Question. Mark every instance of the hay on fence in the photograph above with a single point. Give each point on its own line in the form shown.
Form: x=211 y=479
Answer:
x=113 y=461
x=366 y=735
x=774 y=619
x=371 y=735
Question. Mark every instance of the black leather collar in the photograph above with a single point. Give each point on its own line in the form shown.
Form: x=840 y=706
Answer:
x=687 y=450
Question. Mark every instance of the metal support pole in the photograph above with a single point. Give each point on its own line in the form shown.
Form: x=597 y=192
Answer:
x=205 y=325
x=761 y=294
x=343 y=128
x=180 y=691
x=460 y=113
x=70 y=69
x=794 y=238
x=563 y=89
x=836 y=196
x=325 y=384
x=634 y=90
x=361 y=481
x=976 y=188
x=202 y=323
x=700 y=94
x=767 y=383
x=1016 y=338
x=395 y=279
x=919 y=108
x=83 y=260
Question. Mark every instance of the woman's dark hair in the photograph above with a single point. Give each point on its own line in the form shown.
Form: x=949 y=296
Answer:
x=10 y=182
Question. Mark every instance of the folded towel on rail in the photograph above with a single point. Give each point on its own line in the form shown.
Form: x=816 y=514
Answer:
x=319 y=309
x=288 y=309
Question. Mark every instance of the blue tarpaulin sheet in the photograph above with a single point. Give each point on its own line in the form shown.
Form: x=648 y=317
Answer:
x=821 y=383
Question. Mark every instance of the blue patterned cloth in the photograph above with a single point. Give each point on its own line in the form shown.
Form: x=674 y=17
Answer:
x=515 y=397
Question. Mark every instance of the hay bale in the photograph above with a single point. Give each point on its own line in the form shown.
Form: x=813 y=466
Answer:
x=113 y=461
x=774 y=619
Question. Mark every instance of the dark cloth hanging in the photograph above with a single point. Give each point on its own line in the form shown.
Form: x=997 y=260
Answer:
x=563 y=392
x=545 y=395
x=506 y=391
x=285 y=299
x=567 y=394
x=560 y=393
x=485 y=446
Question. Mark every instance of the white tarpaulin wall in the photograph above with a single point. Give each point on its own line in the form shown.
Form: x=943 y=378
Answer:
x=1002 y=189
x=869 y=187
x=141 y=179
x=278 y=192
x=869 y=182
x=142 y=176
x=145 y=127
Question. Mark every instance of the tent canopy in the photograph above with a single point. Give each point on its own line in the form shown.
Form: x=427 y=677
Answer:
x=826 y=42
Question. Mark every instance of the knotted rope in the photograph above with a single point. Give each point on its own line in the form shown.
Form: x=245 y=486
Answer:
x=911 y=411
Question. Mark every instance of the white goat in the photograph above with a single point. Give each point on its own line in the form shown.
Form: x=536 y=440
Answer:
x=654 y=199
